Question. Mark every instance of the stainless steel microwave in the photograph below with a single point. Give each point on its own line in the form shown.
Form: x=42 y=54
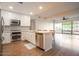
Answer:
x=15 y=22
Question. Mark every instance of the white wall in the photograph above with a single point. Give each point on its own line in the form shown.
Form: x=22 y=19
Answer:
x=44 y=25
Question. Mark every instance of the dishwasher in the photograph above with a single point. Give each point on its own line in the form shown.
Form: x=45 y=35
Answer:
x=39 y=40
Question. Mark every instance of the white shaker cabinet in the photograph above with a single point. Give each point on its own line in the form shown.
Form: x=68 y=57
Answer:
x=23 y=36
x=29 y=36
x=8 y=16
x=25 y=21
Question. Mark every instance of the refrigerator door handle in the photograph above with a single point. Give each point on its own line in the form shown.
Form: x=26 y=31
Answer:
x=2 y=25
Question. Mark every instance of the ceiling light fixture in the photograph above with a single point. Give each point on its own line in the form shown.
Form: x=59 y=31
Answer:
x=10 y=7
x=40 y=7
x=31 y=13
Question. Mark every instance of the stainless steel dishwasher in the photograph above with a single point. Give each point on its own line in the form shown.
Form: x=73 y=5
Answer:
x=39 y=40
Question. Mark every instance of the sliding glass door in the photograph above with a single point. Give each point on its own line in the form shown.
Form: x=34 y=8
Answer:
x=76 y=27
x=58 y=27
x=67 y=27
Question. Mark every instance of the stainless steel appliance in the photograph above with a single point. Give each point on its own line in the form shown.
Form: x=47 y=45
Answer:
x=1 y=31
x=39 y=40
x=15 y=22
x=16 y=35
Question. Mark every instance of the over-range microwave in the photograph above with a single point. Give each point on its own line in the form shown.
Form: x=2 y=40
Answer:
x=15 y=22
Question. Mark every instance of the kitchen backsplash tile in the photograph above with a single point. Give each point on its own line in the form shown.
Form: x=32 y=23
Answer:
x=21 y=28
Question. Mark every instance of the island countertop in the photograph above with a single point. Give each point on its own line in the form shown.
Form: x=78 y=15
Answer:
x=44 y=31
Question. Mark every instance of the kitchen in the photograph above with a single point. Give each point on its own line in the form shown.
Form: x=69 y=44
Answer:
x=26 y=33
x=17 y=28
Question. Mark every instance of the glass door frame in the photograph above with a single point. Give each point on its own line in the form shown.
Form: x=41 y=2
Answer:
x=71 y=23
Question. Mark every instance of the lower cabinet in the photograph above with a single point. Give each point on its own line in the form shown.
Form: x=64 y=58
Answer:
x=29 y=36
x=23 y=36
x=6 y=38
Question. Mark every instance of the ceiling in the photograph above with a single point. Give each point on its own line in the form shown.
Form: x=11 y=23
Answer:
x=49 y=8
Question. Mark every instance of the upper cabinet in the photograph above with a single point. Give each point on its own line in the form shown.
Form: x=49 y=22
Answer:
x=8 y=16
x=25 y=20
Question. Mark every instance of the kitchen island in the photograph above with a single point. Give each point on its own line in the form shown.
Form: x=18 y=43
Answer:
x=41 y=39
x=44 y=39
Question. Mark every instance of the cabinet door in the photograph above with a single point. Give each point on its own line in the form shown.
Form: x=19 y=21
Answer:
x=8 y=16
x=31 y=37
x=26 y=36
x=39 y=40
x=25 y=21
x=23 y=37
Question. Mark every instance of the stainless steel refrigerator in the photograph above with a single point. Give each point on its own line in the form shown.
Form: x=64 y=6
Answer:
x=1 y=32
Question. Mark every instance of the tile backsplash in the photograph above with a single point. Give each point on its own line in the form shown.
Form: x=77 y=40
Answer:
x=21 y=28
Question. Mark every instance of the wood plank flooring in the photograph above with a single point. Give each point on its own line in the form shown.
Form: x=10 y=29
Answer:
x=18 y=49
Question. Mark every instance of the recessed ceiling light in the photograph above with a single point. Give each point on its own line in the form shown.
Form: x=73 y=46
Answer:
x=40 y=7
x=10 y=7
x=31 y=13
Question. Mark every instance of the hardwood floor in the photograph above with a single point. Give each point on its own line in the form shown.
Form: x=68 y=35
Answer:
x=60 y=52
x=18 y=49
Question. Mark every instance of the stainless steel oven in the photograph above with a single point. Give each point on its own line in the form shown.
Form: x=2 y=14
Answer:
x=16 y=36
